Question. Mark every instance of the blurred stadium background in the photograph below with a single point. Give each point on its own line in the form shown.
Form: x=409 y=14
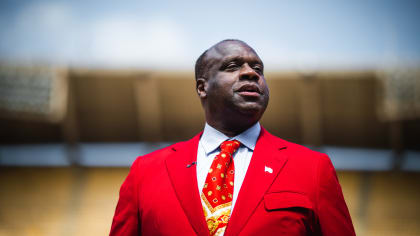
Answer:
x=86 y=87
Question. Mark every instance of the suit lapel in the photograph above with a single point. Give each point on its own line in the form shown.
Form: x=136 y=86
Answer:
x=184 y=181
x=267 y=161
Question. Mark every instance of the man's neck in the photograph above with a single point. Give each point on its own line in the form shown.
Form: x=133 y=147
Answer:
x=230 y=130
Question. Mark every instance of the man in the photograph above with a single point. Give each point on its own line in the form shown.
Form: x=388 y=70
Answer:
x=253 y=184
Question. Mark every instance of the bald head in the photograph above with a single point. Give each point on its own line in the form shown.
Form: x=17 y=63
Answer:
x=203 y=62
x=231 y=85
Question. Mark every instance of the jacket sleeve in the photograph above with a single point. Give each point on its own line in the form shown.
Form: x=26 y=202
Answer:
x=331 y=209
x=126 y=217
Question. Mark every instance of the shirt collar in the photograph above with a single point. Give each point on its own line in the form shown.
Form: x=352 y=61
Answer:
x=212 y=138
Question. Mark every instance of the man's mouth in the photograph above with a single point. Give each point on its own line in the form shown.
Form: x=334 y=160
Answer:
x=249 y=90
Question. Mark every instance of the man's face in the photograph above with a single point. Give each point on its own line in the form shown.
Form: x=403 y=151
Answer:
x=235 y=80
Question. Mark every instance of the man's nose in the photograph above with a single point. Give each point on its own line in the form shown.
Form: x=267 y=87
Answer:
x=247 y=73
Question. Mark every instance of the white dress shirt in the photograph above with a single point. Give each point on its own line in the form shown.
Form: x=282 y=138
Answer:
x=209 y=147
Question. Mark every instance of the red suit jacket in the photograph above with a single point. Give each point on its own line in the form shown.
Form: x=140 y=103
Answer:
x=300 y=196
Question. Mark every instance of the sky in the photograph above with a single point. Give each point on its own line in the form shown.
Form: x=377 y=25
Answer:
x=157 y=34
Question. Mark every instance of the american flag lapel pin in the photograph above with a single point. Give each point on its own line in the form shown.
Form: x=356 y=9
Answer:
x=268 y=169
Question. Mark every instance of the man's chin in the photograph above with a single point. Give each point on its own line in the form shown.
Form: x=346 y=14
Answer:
x=251 y=109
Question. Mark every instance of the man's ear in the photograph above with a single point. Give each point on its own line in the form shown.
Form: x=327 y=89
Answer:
x=201 y=86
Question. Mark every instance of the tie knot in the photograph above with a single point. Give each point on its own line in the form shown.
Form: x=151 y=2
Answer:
x=230 y=146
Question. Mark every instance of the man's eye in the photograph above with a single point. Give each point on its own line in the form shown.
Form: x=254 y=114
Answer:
x=257 y=68
x=231 y=66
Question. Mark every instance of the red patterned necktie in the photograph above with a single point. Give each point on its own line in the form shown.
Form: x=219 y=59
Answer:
x=217 y=193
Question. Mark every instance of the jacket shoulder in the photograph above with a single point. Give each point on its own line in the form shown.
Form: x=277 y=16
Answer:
x=297 y=150
x=159 y=154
